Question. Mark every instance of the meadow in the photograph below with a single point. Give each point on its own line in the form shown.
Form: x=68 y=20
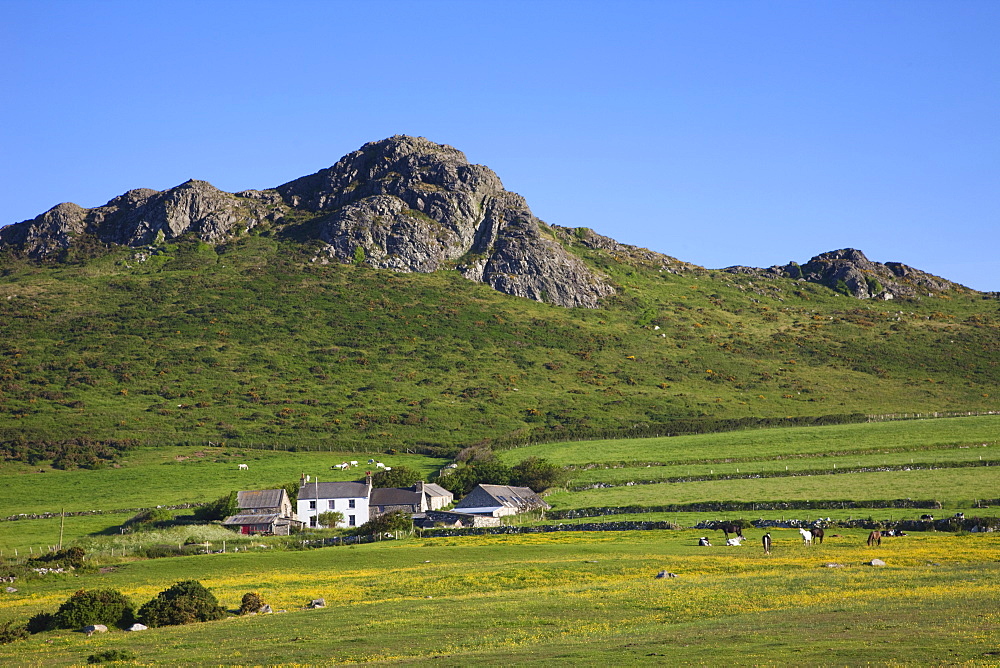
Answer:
x=560 y=599
x=570 y=597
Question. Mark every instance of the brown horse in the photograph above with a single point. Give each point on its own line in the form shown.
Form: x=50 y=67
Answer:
x=817 y=535
x=875 y=538
x=729 y=528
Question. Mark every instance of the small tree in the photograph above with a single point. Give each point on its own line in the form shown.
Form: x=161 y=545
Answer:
x=537 y=473
x=292 y=488
x=97 y=606
x=399 y=476
x=219 y=509
x=252 y=602
x=183 y=603
x=391 y=522
x=330 y=519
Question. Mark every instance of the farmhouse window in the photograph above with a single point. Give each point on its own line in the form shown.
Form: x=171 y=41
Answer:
x=312 y=521
x=312 y=505
x=350 y=503
x=350 y=520
x=333 y=504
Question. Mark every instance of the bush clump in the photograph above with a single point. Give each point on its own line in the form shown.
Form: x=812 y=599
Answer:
x=390 y=522
x=252 y=602
x=97 y=606
x=183 y=603
x=11 y=632
x=71 y=557
x=111 y=655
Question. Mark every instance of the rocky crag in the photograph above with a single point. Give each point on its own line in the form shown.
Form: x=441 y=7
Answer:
x=848 y=271
x=410 y=205
x=403 y=203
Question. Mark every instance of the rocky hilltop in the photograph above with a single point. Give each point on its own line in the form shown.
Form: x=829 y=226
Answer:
x=410 y=205
x=850 y=272
x=403 y=203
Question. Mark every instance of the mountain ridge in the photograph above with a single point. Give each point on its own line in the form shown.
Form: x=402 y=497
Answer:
x=410 y=205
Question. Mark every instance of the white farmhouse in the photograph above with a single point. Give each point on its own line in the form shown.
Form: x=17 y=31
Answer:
x=349 y=498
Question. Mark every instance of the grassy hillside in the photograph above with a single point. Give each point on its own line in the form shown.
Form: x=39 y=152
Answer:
x=254 y=342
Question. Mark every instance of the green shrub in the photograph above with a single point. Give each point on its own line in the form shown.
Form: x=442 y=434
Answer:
x=252 y=602
x=399 y=476
x=71 y=557
x=43 y=621
x=183 y=603
x=390 y=522
x=11 y=632
x=111 y=655
x=537 y=473
x=96 y=606
x=219 y=509
x=330 y=519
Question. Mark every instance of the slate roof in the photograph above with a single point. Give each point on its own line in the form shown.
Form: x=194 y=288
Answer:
x=252 y=519
x=494 y=496
x=259 y=498
x=394 y=496
x=334 y=490
x=436 y=490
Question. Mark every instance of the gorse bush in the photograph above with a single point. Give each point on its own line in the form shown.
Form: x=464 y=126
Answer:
x=111 y=656
x=12 y=632
x=183 y=603
x=251 y=602
x=95 y=606
x=71 y=557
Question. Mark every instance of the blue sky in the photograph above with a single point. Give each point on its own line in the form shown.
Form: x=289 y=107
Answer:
x=717 y=132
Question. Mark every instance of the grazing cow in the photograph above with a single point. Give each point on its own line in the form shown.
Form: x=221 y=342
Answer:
x=379 y=465
x=766 y=540
x=728 y=528
x=734 y=542
x=817 y=534
x=703 y=542
x=927 y=518
x=874 y=538
x=807 y=537
x=343 y=466
x=244 y=467
x=354 y=463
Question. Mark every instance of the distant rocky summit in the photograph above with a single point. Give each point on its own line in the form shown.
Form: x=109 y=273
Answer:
x=850 y=272
x=407 y=204
x=403 y=203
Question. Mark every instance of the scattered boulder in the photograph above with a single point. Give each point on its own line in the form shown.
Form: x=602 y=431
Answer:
x=265 y=609
x=11 y=590
x=876 y=562
x=94 y=628
x=137 y=627
x=833 y=565
x=665 y=574
x=317 y=603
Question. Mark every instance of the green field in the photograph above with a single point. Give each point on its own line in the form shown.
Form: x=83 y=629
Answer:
x=560 y=599
x=570 y=597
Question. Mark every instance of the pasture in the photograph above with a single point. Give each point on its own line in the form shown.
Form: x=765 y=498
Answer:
x=558 y=599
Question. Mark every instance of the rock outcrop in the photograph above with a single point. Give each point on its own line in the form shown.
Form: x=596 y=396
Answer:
x=140 y=217
x=403 y=203
x=850 y=272
x=408 y=204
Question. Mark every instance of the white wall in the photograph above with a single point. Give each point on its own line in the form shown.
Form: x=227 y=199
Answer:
x=359 y=511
